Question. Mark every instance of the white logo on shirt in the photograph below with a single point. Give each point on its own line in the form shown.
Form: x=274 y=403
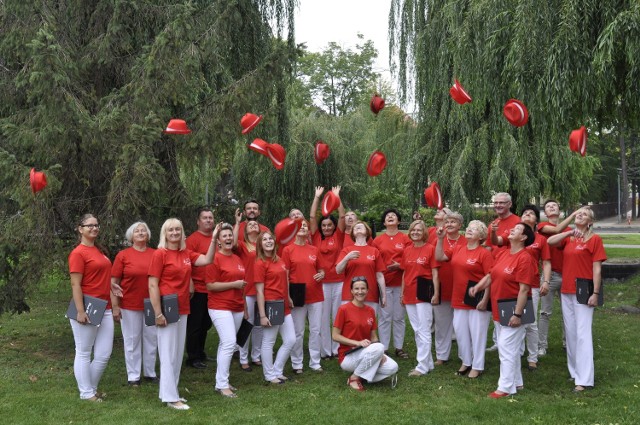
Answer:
x=331 y=242
x=371 y=257
x=370 y=321
x=399 y=246
x=241 y=268
x=421 y=260
x=471 y=261
x=187 y=262
x=508 y=270
x=312 y=257
x=581 y=247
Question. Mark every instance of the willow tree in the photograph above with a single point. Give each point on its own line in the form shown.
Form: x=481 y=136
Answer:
x=87 y=89
x=549 y=54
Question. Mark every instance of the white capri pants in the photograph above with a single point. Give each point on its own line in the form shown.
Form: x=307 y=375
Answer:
x=443 y=319
x=531 y=330
x=509 y=345
x=330 y=305
x=256 y=335
x=227 y=324
x=392 y=314
x=314 y=312
x=471 y=334
x=365 y=363
x=421 y=317
x=578 y=319
x=140 y=345
x=171 y=350
x=87 y=338
x=271 y=369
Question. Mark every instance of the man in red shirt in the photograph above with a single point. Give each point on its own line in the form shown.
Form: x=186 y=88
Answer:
x=198 y=321
x=251 y=212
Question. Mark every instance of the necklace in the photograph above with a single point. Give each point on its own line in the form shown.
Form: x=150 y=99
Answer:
x=455 y=241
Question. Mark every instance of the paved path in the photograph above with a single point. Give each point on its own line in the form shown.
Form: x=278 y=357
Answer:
x=608 y=245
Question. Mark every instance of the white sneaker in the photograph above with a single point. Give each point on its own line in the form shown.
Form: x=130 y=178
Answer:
x=542 y=352
x=177 y=406
x=494 y=347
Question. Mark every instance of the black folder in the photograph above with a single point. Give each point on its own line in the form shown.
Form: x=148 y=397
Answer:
x=507 y=307
x=426 y=290
x=584 y=290
x=468 y=299
x=170 y=310
x=274 y=310
x=94 y=307
x=353 y=350
x=297 y=292
x=243 y=333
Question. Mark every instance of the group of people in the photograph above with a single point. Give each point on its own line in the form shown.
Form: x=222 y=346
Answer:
x=353 y=290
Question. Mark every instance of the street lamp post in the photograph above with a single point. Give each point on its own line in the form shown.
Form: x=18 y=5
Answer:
x=619 y=210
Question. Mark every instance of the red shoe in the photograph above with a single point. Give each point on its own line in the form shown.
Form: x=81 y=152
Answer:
x=496 y=394
x=351 y=380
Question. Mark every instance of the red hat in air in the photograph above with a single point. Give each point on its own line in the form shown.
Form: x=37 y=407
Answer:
x=321 y=152
x=38 y=180
x=376 y=164
x=515 y=112
x=433 y=196
x=330 y=203
x=459 y=94
x=260 y=146
x=249 y=122
x=177 y=126
x=286 y=230
x=377 y=103
x=578 y=141
x=277 y=155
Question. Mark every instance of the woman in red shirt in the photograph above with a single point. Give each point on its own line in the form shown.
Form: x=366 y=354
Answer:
x=130 y=282
x=301 y=261
x=270 y=276
x=469 y=262
x=329 y=241
x=355 y=331
x=418 y=261
x=170 y=273
x=90 y=270
x=511 y=277
x=583 y=256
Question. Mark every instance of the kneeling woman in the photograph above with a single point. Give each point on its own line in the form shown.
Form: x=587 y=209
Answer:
x=355 y=330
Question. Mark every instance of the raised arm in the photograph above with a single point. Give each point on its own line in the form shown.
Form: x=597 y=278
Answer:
x=236 y=227
x=313 y=221
x=204 y=260
x=554 y=230
x=440 y=255
x=341 y=213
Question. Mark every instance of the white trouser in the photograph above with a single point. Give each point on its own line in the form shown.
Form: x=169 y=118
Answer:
x=578 y=319
x=330 y=305
x=314 y=312
x=509 y=345
x=271 y=369
x=421 y=317
x=140 y=345
x=546 y=308
x=99 y=339
x=443 y=319
x=171 y=350
x=365 y=363
x=471 y=335
x=531 y=330
x=393 y=313
x=256 y=335
x=227 y=324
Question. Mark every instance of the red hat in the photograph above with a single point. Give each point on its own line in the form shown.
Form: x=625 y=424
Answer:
x=249 y=121
x=176 y=126
x=260 y=146
x=433 y=196
x=578 y=141
x=459 y=94
x=286 y=230
x=321 y=152
x=376 y=164
x=377 y=103
x=330 y=203
x=38 y=180
x=515 y=112
x=277 y=155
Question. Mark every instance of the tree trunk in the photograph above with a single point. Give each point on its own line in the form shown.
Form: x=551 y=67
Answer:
x=624 y=187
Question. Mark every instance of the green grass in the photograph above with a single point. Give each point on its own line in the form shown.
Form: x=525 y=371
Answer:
x=37 y=383
x=622 y=253
x=621 y=239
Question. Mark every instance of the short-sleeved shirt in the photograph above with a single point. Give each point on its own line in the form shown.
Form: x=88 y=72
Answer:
x=445 y=273
x=354 y=323
x=578 y=262
x=508 y=272
x=539 y=249
x=302 y=263
x=504 y=227
x=173 y=269
x=556 y=253
x=328 y=251
x=367 y=265
x=416 y=261
x=95 y=268
x=467 y=264
x=225 y=268
x=274 y=277
x=392 y=248
x=132 y=268
x=200 y=243
x=248 y=257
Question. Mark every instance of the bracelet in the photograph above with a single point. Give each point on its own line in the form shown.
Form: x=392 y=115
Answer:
x=519 y=316
x=545 y=281
x=263 y=317
x=159 y=316
x=596 y=293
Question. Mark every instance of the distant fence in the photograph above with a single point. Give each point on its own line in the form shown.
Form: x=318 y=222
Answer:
x=605 y=210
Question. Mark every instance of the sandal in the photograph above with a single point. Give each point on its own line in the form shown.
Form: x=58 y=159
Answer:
x=356 y=381
x=464 y=371
x=229 y=394
x=477 y=374
x=95 y=399
x=401 y=353
x=298 y=371
x=257 y=363
x=246 y=367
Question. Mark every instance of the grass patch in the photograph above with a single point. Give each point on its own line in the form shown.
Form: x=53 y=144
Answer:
x=621 y=239
x=631 y=253
x=37 y=383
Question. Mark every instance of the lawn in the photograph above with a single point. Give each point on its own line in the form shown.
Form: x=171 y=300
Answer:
x=37 y=383
x=622 y=253
x=621 y=238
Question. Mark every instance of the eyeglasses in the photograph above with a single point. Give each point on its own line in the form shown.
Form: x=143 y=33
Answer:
x=500 y=202
x=91 y=226
x=359 y=279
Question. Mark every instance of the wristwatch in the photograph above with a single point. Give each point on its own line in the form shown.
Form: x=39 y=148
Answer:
x=519 y=316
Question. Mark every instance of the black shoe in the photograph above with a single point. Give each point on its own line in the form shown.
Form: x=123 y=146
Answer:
x=209 y=359
x=236 y=354
x=134 y=383
x=152 y=379
x=197 y=364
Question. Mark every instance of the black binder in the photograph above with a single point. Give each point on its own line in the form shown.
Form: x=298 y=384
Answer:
x=243 y=333
x=94 y=307
x=274 y=310
x=507 y=307
x=426 y=289
x=170 y=310
x=297 y=292
x=468 y=299
x=584 y=290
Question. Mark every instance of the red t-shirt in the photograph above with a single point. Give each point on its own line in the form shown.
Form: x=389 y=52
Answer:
x=197 y=242
x=132 y=268
x=467 y=265
x=433 y=237
x=95 y=268
x=226 y=268
x=274 y=277
x=354 y=323
x=369 y=262
x=392 y=248
x=504 y=227
x=539 y=249
x=302 y=263
x=328 y=250
x=416 y=261
x=508 y=272
x=173 y=268
x=446 y=269
x=556 y=253
x=578 y=260
x=248 y=259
